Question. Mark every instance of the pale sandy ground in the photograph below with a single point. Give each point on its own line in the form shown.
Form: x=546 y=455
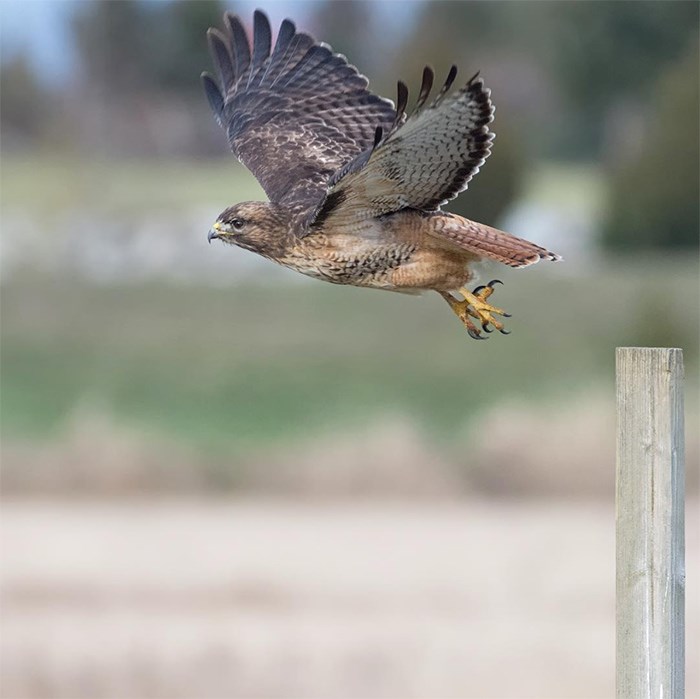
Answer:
x=268 y=599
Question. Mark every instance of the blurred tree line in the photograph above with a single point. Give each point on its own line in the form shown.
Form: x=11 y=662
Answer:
x=611 y=83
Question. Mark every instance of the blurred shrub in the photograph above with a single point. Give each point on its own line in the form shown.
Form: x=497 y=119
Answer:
x=601 y=53
x=22 y=108
x=139 y=91
x=573 y=61
x=128 y=47
x=655 y=195
x=182 y=45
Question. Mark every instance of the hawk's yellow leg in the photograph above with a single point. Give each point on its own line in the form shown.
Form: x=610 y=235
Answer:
x=475 y=305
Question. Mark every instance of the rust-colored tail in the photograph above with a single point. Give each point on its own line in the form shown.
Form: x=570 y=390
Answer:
x=491 y=243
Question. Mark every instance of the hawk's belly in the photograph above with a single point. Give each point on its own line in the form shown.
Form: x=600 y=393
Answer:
x=404 y=266
x=371 y=268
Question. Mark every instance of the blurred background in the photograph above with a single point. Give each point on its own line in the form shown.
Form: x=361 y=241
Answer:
x=220 y=478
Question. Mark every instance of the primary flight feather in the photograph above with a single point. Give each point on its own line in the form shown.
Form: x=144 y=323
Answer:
x=354 y=185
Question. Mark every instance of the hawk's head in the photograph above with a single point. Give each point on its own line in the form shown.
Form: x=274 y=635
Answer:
x=254 y=225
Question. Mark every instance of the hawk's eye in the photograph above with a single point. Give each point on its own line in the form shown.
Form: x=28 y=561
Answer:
x=238 y=224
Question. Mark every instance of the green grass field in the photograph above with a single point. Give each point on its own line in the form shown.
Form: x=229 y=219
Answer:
x=239 y=366
x=236 y=367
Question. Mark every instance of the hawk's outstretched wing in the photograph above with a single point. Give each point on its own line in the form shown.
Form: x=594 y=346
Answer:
x=424 y=161
x=293 y=115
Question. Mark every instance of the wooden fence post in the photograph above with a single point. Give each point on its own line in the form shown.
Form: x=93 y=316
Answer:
x=649 y=514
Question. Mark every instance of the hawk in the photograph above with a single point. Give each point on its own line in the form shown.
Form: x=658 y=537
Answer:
x=356 y=186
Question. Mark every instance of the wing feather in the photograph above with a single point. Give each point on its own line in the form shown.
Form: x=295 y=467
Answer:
x=424 y=162
x=283 y=63
x=262 y=42
x=426 y=87
x=214 y=96
x=294 y=114
x=239 y=44
x=218 y=47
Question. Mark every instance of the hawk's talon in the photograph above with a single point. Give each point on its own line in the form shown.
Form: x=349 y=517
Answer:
x=475 y=305
x=485 y=290
x=504 y=332
x=471 y=328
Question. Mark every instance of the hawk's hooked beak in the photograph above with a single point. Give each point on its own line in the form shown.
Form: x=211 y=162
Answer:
x=214 y=231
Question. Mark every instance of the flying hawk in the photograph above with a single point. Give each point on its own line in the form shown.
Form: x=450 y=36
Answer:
x=354 y=185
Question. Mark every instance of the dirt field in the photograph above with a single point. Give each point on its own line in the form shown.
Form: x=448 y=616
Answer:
x=264 y=599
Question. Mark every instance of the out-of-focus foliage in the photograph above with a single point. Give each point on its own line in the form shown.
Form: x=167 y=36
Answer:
x=113 y=39
x=654 y=196
x=180 y=36
x=130 y=46
x=22 y=105
x=603 y=52
x=139 y=91
x=574 y=60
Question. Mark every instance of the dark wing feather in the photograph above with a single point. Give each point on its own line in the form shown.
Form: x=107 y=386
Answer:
x=261 y=48
x=293 y=115
x=238 y=41
x=425 y=88
x=214 y=96
x=424 y=162
x=218 y=47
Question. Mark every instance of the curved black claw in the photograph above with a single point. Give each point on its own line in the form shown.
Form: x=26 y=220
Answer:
x=506 y=315
x=504 y=332
x=494 y=281
x=476 y=335
x=478 y=289
x=485 y=328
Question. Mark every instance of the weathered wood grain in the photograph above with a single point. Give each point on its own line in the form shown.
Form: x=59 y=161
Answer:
x=650 y=524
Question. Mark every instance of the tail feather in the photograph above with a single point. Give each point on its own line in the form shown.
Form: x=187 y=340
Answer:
x=491 y=243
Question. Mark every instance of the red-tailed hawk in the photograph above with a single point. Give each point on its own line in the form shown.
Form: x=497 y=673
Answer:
x=356 y=186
